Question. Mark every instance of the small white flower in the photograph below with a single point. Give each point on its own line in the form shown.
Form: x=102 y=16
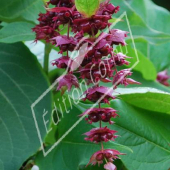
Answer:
x=35 y=167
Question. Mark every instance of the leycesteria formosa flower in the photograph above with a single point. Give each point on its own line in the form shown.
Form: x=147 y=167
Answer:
x=100 y=114
x=121 y=78
x=108 y=154
x=66 y=82
x=97 y=62
x=95 y=93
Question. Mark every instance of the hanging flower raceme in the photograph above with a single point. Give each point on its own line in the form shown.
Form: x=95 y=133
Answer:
x=96 y=63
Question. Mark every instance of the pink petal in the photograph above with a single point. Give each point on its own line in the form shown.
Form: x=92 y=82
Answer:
x=110 y=166
x=131 y=81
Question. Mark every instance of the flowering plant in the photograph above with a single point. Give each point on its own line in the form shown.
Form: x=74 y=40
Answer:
x=98 y=64
x=84 y=87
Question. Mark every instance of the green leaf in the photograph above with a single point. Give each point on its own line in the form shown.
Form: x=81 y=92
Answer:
x=143 y=64
x=150 y=13
x=142 y=22
x=20 y=10
x=147 y=98
x=22 y=82
x=138 y=27
x=147 y=133
x=17 y=31
x=87 y=7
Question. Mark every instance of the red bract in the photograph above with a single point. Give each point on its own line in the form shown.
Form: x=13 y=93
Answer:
x=91 y=25
x=62 y=62
x=120 y=59
x=117 y=37
x=100 y=114
x=95 y=93
x=163 y=78
x=120 y=78
x=107 y=8
x=46 y=28
x=100 y=135
x=66 y=82
x=65 y=43
x=96 y=71
x=108 y=154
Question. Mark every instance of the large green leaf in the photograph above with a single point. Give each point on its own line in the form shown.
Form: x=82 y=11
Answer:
x=17 y=31
x=20 y=10
x=87 y=7
x=138 y=27
x=150 y=13
x=22 y=82
x=147 y=133
x=155 y=53
x=141 y=63
x=146 y=14
x=147 y=98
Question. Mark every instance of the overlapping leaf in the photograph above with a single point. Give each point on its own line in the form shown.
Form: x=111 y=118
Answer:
x=22 y=82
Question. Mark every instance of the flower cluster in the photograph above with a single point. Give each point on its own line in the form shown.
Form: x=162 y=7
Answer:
x=96 y=63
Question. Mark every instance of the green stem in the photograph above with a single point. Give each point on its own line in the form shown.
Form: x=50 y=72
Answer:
x=48 y=48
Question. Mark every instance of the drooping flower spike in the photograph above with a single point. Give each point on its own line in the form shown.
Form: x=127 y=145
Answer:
x=97 y=62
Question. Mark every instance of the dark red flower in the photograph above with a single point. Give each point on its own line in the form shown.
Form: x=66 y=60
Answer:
x=120 y=59
x=96 y=71
x=62 y=62
x=100 y=114
x=91 y=25
x=108 y=154
x=100 y=135
x=117 y=37
x=99 y=93
x=163 y=78
x=121 y=78
x=107 y=8
x=65 y=43
x=66 y=82
x=46 y=29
